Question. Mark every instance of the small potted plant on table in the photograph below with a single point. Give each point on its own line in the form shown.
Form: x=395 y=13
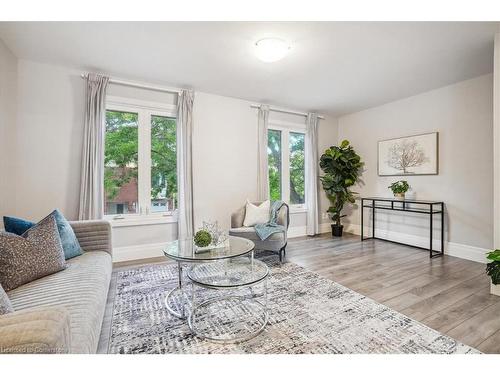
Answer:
x=493 y=271
x=399 y=188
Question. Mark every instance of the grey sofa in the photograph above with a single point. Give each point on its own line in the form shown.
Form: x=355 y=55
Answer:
x=276 y=242
x=63 y=312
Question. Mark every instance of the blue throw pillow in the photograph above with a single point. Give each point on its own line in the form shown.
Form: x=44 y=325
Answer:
x=16 y=225
x=69 y=242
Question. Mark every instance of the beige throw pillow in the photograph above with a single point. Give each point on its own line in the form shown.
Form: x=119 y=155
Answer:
x=257 y=214
x=36 y=253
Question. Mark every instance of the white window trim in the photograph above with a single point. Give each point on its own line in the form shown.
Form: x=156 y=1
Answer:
x=144 y=109
x=285 y=128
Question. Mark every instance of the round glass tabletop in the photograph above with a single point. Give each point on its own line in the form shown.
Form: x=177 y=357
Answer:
x=186 y=251
x=231 y=273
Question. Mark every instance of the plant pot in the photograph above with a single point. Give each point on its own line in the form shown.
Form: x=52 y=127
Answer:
x=399 y=196
x=495 y=289
x=337 y=230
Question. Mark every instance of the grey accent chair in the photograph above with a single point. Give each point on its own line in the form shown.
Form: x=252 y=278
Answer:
x=276 y=242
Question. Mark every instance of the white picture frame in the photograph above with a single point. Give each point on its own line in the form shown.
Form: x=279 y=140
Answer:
x=414 y=155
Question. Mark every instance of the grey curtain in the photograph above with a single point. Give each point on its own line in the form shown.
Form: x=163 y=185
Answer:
x=262 y=168
x=185 y=164
x=92 y=180
x=312 y=175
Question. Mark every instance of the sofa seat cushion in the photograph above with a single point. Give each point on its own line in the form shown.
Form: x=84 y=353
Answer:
x=81 y=288
x=274 y=242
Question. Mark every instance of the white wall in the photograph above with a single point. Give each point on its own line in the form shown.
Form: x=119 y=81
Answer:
x=8 y=111
x=49 y=133
x=225 y=157
x=48 y=153
x=462 y=114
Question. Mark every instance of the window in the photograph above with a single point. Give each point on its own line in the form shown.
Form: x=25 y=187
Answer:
x=163 y=164
x=121 y=163
x=285 y=151
x=296 y=166
x=274 y=163
x=140 y=171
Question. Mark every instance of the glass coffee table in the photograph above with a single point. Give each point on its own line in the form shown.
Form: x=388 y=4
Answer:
x=228 y=313
x=184 y=252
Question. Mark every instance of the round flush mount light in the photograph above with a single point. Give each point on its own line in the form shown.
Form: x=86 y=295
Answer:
x=271 y=49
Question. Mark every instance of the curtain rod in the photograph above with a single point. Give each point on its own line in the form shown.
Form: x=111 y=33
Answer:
x=275 y=109
x=141 y=85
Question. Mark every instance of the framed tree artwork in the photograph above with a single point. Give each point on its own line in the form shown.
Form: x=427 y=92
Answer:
x=408 y=156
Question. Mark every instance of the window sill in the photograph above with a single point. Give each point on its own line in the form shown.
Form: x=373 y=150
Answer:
x=297 y=210
x=130 y=221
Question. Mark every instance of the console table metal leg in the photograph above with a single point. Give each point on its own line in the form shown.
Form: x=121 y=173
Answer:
x=373 y=219
x=442 y=228
x=362 y=214
x=430 y=233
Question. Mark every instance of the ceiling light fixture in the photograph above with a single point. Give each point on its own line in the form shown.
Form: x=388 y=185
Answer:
x=271 y=49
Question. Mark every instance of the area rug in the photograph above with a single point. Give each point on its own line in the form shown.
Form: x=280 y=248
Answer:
x=307 y=314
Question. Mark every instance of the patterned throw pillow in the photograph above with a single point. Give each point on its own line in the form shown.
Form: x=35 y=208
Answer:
x=69 y=242
x=5 y=306
x=34 y=254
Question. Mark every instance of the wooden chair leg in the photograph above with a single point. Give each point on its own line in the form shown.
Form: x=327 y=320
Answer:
x=282 y=252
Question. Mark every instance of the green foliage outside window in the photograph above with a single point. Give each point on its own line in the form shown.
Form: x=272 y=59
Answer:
x=121 y=151
x=297 y=174
x=163 y=158
x=274 y=163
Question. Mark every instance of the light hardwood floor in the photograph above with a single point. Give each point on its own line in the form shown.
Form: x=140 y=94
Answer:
x=448 y=294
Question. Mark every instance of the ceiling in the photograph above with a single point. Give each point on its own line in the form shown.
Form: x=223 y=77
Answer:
x=332 y=67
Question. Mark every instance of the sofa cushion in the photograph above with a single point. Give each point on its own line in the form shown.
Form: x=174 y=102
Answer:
x=35 y=331
x=5 y=305
x=81 y=289
x=274 y=243
x=69 y=241
x=34 y=254
x=257 y=214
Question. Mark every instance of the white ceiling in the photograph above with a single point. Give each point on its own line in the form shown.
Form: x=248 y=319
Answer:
x=333 y=67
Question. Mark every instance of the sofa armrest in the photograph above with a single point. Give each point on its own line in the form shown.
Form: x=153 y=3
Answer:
x=93 y=235
x=284 y=216
x=37 y=330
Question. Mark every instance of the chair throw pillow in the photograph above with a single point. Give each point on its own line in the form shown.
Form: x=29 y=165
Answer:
x=5 y=305
x=69 y=242
x=34 y=254
x=257 y=214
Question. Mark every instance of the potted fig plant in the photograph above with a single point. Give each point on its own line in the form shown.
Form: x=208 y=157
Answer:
x=341 y=166
x=399 y=188
x=493 y=271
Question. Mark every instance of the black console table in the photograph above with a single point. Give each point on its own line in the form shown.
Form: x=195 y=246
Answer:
x=430 y=208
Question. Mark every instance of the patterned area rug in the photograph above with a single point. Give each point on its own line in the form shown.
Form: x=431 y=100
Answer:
x=307 y=314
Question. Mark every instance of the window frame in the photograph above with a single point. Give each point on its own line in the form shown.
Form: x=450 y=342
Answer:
x=144 y=109
x=286 y=128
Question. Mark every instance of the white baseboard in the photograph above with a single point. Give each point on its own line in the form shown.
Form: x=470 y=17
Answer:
x=458 y=250
x=125 y=253
x=302 y=231
x=477 y=254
